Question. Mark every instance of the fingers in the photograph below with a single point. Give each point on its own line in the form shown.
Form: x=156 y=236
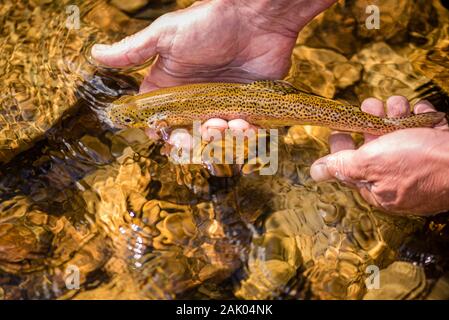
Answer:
x=346 y=167
x=343 y=165
x=369 y=196
x=148 y=85
x=158 y=76
x=239 y=125
x=181 y=139
x=211 y=129
x=375 y=107
x=397 y=107
x=339 y=141
x=425 y=106
x=130 y=51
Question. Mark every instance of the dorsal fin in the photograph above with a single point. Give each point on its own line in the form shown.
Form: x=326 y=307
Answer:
x=275 y=86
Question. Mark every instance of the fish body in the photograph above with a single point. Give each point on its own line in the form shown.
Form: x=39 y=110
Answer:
x=262 y=103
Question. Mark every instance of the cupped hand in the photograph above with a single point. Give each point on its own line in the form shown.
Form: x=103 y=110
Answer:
x=220 y=40
x=209 y=41
x=404 y=172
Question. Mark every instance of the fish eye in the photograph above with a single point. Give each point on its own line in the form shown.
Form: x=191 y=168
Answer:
x=128 y=120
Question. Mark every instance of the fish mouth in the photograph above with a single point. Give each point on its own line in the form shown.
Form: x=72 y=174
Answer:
x=118 y=125
x=104 y=116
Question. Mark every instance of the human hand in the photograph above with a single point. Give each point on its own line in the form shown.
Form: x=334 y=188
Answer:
x=404 y=172
x=219 y=40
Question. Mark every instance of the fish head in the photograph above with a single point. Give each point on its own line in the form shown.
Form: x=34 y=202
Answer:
x=125 y=116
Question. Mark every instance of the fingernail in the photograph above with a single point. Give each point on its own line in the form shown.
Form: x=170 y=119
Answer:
x=319 y=172
x=99 y=48
x=176 y=140
x=181 y=140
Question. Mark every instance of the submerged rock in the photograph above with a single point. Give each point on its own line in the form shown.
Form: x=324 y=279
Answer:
x=322 y=71
x=139 y=226
x=168 y=243
x=40 y=76
x=36 y=250
x=405 y=41
x=432 y=60
x=324 y=234
x=386 y=73
x=130 y=6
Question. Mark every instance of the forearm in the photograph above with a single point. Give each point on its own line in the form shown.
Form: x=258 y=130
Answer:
x=287 y=15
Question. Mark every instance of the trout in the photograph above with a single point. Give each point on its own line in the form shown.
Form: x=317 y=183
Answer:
x=262 y=103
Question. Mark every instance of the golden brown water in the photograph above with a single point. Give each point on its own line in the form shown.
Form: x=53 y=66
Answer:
x=135 y=225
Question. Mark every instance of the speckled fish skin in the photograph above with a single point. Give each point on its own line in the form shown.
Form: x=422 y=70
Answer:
x=262 y=103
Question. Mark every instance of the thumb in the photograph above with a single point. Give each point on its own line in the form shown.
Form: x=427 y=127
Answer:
x=130 y=51
x=342 y=165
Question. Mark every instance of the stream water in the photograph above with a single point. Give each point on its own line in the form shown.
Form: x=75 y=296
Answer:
x=92 y=212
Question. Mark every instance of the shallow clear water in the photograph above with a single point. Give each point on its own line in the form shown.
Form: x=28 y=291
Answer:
x=87 y=211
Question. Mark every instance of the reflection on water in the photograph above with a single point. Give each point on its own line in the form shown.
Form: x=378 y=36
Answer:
x=43 y=64
x=78 y=198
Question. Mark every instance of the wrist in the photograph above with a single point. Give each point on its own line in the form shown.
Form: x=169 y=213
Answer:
x=441 y=157
x=282 y=16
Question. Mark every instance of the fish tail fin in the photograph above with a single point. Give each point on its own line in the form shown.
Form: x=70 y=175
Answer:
x=421 y=120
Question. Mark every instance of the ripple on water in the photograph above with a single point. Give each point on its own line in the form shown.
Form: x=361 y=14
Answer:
x=137 y=226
